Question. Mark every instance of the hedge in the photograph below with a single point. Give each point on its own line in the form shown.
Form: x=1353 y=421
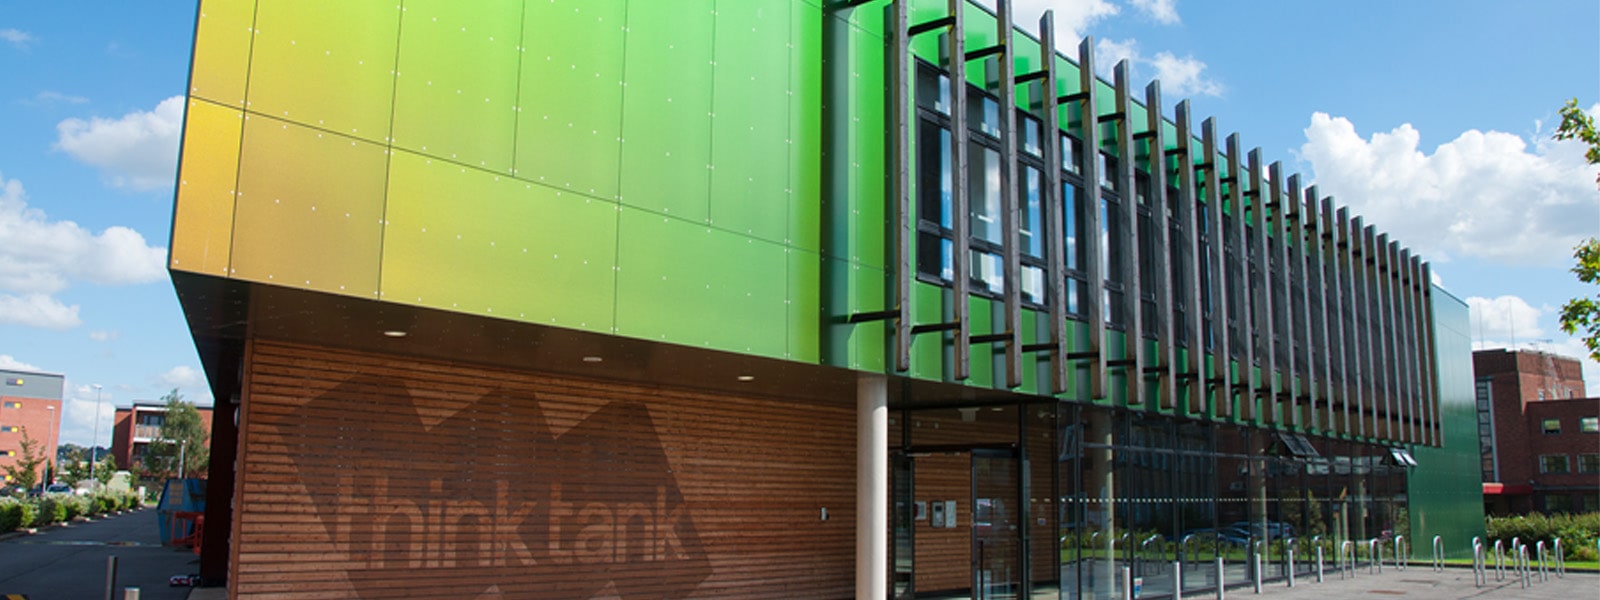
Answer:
x=17 y=513
x=1577 y=532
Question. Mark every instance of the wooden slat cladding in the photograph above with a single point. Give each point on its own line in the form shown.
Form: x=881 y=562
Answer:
x=944 y=554
x=379 y=476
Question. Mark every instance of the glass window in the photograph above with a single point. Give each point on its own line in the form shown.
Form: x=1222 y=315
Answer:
x=983 y=193
x=1553 y=463
x=983 y=112
x=9 y=429
x=1069 y=154
x=1557 y=503
x=1030 y=135
x=1589 y=424
x=1031 y=221
x=1551 y=426
x=1589 y=463
x=933 y=90
x=13 y=404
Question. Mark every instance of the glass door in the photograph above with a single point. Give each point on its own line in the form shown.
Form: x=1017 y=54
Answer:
x=997 y=570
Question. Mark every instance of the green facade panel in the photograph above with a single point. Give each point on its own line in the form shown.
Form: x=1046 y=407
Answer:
x=569 y=109
x=1446 y=489
x=666 y=108
x=467 y=115
x=499 y=247
x=309 y=65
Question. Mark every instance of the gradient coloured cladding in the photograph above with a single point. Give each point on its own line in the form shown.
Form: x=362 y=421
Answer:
x=440 y=36
x=569 y=126
x=414 y=149
x=205 y=201
x=500 y=247
x=309 y=209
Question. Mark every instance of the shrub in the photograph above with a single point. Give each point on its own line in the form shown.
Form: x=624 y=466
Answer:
x=1577 y=532
x=52 y=509
x=10 y=514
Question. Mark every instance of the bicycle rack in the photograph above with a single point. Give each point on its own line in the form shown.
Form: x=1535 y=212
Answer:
x=1347 y=559
x=1499 y=561
x=1480 y=567
x=1256 y=561
x=1561 y=560
x=1316 y=540
x=1400 y=554
x=1544 y=570
x=1438 y=553
x=1288 y=553
x=1375 y=553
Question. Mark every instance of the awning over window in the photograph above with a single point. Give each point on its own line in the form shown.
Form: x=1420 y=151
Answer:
x=1402 y=457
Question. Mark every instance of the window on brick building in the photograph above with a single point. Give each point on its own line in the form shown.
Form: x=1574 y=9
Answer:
x=9 y=429
x=1558 y=503
x=1553 y=463
x=1589 y=424
x=13 y=404
x=1552 y=426
x=1589 y=463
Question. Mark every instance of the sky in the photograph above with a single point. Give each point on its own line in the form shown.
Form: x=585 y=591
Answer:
x=1430 y=118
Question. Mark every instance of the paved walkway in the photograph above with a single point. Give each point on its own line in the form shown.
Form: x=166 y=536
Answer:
x=70 y=561
x=1425 y=584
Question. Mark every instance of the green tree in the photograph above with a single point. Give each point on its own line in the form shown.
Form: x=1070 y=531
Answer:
x=182 y=438
x=25 y=473
x=1581 y=316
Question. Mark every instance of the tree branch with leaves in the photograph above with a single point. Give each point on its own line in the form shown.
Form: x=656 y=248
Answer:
x=1581 y=316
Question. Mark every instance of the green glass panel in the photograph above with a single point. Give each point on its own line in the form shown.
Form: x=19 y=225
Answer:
x=326 y=64
x=694 y=285
x=1446 y=491
x=804 y=305
x=320 y=228
x=666 y=147
x=980 y=315
x=222 y=51
x=473 y=241
x=805 y=129
x=749 y=142
x=456 y=93
x=869 y=155
x=928 y=349
x=569 y=125
x=869 y=341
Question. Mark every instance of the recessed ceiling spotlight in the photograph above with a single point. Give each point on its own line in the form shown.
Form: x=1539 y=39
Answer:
x=395 y=333
x=592 y=359
x=746 y=378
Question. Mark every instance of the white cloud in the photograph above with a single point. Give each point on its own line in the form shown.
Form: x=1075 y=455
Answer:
x=1485 y=194
x=1073 y=18
x=1505 y=317
x=40 y=257
x=81 y=408
x=138 y=150
x=184 y=376
x=9 y=362
x=105 y=335
x=54 y=97
x=1179 y=77
x=1184 y=76
x=1163 y=11
x=1109 y=52
x=20 y=39
x=38 y=310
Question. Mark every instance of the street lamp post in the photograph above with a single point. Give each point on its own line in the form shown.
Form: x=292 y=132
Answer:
x=94 y=444
x=54 y=439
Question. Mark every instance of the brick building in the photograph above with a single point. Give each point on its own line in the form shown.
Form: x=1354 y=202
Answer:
x=1539 y=433
x=140 y=424
x=29 y=402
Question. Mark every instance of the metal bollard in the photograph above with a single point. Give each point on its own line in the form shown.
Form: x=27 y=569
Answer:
x=1544 y=569
x=1438 y=554
x=130 y=594
x=1222 y=582
x=1480 y=575
x=1499 y=561
x=1177 y=579
x=1288 y=550
x=111 y=577
x=1319 y=563
x=1400 y=552
x=1561 y=560
x=1127 y=583
x=1258 y=567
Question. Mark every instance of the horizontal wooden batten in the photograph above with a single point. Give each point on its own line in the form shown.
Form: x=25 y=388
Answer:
x=378 y=476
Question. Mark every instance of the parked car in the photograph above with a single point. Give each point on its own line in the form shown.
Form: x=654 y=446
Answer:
x=1274 y=529
x=58 y=488
x=1226 y=535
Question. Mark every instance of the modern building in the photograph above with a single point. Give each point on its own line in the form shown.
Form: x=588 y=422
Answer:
x=568 y=299
x=138 y=425
x=1539 y=433
x=30 y=405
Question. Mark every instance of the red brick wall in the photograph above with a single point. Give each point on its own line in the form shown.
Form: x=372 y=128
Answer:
x=35 y=416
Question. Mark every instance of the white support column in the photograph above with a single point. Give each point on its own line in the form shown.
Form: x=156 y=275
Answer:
x=872 y=487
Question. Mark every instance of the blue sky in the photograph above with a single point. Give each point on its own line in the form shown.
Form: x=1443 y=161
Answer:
x=1432 y=118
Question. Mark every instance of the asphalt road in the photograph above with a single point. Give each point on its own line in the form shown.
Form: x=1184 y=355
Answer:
x=70 y=562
